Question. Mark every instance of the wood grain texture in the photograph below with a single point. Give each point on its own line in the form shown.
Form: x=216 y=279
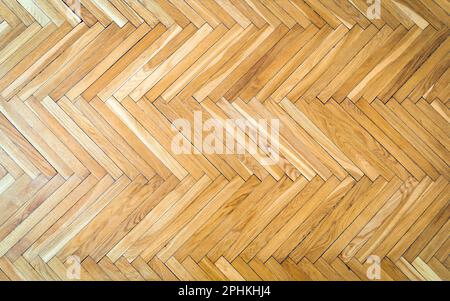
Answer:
x=88 y=95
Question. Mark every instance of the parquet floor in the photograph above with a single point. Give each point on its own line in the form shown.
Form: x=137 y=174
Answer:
x=88 y=94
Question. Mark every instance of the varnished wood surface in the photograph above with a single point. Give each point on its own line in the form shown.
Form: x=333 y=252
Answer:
x=87 y=98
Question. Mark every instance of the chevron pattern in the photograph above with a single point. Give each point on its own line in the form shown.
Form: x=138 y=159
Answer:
x=88 y=93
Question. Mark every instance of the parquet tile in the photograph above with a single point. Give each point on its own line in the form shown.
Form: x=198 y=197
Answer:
x=90 y=92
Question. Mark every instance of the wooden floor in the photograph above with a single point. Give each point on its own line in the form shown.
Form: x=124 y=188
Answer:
x=86 y=167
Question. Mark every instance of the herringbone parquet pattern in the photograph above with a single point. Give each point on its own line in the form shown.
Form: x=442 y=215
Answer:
x=88 y=94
